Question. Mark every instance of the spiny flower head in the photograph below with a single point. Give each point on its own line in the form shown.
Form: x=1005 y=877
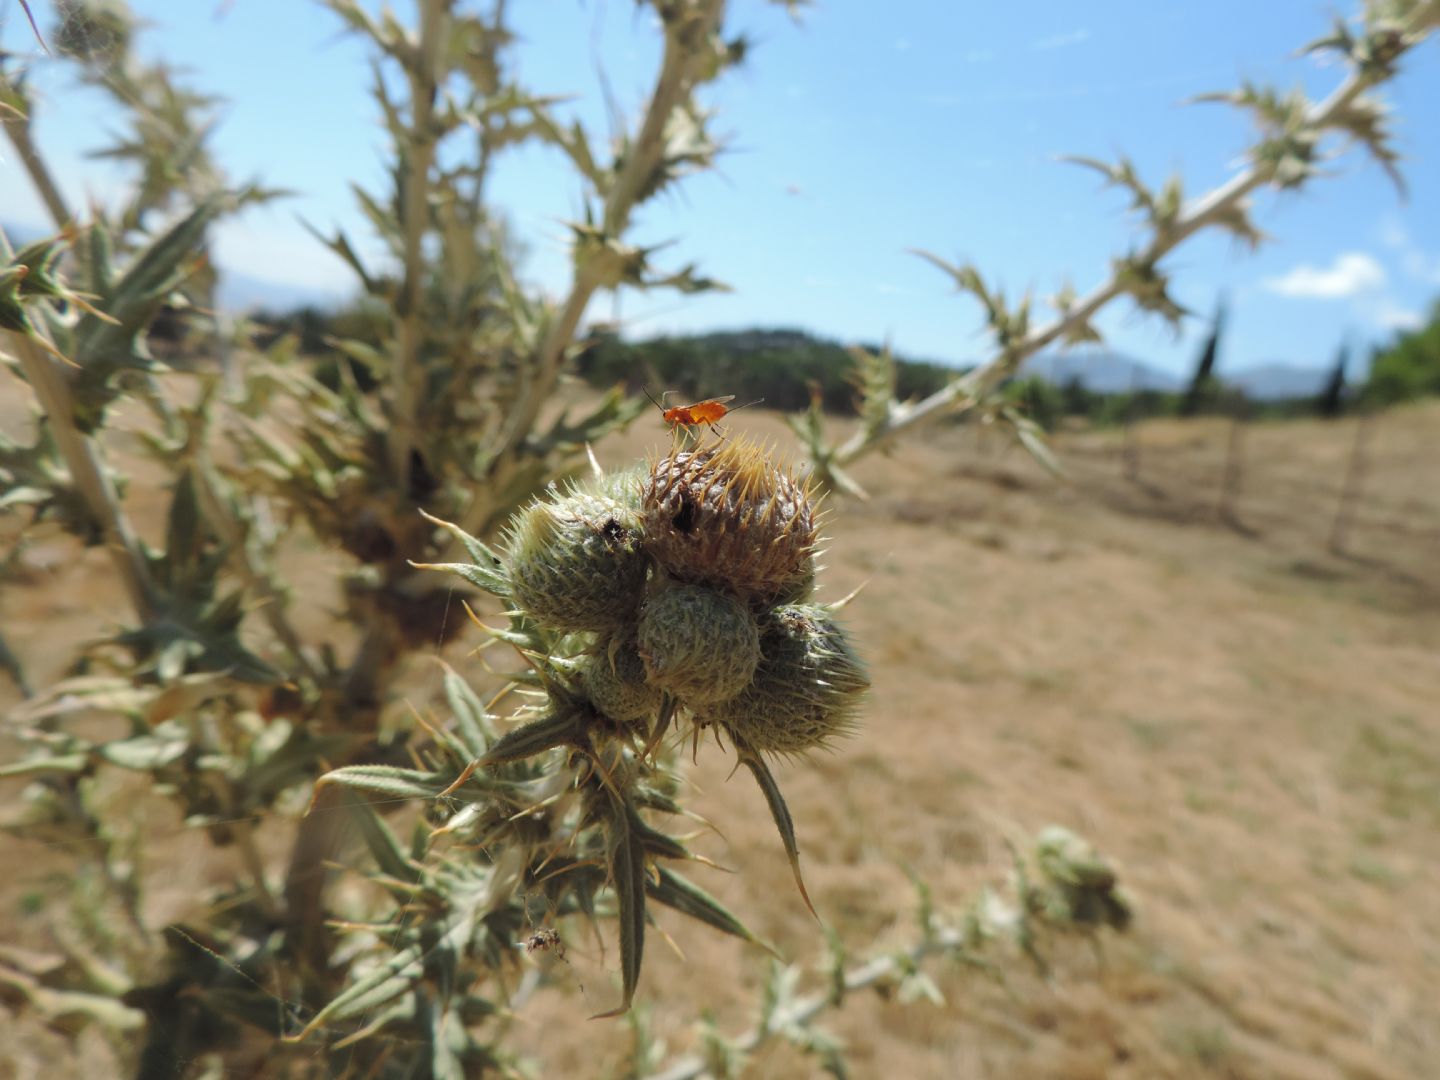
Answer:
x=576 y=562
x=614 y=678
x=807 y=687
x=698 y=643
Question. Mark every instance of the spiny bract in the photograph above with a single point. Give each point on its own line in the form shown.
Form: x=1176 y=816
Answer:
x=699 y=644
x=576 y=561
x=806 y=690
x=729 y=516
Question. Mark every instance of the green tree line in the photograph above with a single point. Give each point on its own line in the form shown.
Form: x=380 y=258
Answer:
x=788 y=367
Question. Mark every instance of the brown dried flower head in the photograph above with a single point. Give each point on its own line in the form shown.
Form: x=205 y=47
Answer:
x=727 y=515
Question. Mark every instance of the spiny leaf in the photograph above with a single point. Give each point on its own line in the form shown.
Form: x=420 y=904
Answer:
x=1235 y=219
x=875 y=378
x=487 y=569
x=781 y=813
x=1079 y=331
x=65 y=763
x=340 y=245
x=1032 y=438
x=472 y=722
x=562 y=728
x=673 y=890
x=628 y=879
x=383 y=984
x=390 y=855
x=388 y=780
x=1367 y=120
x=145 y=753
x=479 y=576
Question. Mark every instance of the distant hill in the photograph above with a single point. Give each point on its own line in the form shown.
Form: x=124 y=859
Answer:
x=1277 y=381
x=1101 y=371
x=1104 y=372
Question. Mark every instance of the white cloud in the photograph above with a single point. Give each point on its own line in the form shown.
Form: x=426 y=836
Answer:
x=1351 y=273
x=1392 y=316
x=1061 y=41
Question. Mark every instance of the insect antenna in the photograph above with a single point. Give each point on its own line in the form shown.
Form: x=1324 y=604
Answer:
x=719 y=434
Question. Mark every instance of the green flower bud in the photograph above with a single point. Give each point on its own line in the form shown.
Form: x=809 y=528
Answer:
x=576 y=562
x=807 y=687
x=727 y=516
x=699 y=644
x=614 y=679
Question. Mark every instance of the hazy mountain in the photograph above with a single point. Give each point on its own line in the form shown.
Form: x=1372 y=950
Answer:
x=1101 y=371
x=1277 y=381
x=1105 y=372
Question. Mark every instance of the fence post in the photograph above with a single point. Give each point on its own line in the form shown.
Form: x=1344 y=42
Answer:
x=1234 y=464
x=1354 y=484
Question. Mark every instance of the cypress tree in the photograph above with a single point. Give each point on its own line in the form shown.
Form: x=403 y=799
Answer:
x=1331 y=402
x=1201 y=381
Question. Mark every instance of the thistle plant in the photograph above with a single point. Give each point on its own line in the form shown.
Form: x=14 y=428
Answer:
x=1297 y=138
x=224 y=706
x=648 y=606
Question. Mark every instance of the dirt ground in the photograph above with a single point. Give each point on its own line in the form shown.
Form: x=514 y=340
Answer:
x=1245 y=722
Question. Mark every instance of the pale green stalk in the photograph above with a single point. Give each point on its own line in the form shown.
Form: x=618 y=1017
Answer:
x=17 y=130
x=419 y=156
x=81 y=457
x=677 y=78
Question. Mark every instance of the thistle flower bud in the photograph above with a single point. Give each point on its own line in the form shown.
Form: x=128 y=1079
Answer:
x=614 y=677
x=576 y=562
x=728 y=516
x=806 y=689
x=699 y=644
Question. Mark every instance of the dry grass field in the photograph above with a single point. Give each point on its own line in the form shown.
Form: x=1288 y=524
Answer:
x=1247 y=724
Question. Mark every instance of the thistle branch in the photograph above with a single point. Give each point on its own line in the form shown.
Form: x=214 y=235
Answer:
x=801 y=1012
x=680 y=72
x=1222 y=206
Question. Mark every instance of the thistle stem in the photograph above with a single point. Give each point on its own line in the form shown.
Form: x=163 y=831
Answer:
x=679 y=73
x=417 y=157
x=81 y=457
x=17 y=130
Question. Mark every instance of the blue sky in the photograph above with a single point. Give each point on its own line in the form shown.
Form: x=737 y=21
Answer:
x=856 y=133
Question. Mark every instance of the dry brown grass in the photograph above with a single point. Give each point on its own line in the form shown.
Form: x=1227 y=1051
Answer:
x=1246 y=723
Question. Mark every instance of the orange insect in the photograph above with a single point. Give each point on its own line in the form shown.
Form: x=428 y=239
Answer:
x=710 y=411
